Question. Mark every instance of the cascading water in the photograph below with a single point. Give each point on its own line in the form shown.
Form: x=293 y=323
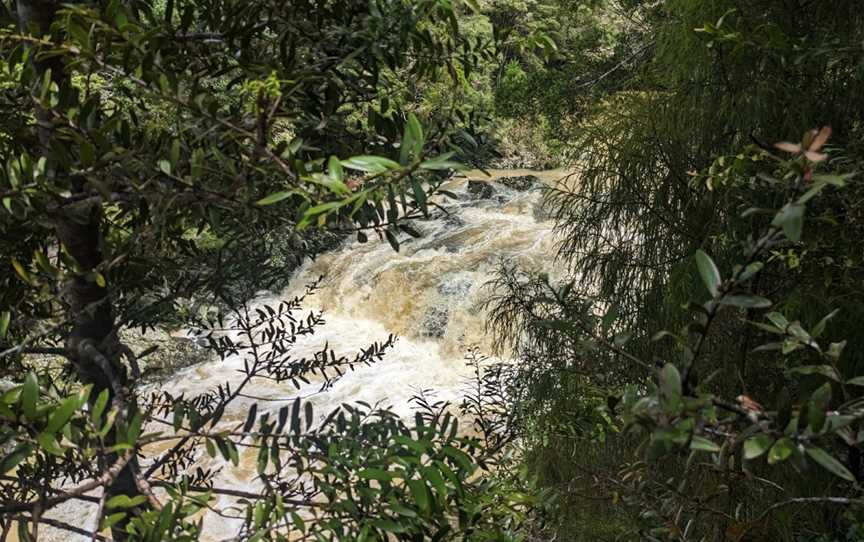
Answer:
x=429 y=294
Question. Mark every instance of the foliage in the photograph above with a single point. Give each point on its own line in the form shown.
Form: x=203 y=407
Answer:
x=161 y=152
x=698 y=398
x=361 y=472
x=671 y=160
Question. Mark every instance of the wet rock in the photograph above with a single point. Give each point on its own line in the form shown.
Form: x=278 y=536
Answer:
x=167 y=353
x=541 y=212
x=435 y=323
x=480 y=189
x=453 y=219
x=520 y=183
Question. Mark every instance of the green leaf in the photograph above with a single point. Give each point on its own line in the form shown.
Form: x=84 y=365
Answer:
x=746 y=301
x=750 y=271
x=781 y=450
x=461 y=458
x=175 y=152
x=80 y=34
x=295 y=416
x=134 y=429
x=791 y=219
x=197 y=164
x=320 y=209
x=835 y=350
x=19 y=454
x=778 y=320
x=419 y=196
x=819 y=402
x=370 y=164
x=262 y=459
x=112 y=519
x=233 y=454
x=99 y=407
x=438 y=165
x=375 y=474
x=819 y=328
x=389 y=525
x=391 y=238
x=250 y=418
x=308 y=413
x=124 y=501
x=703 y=445
x=813 y=192
x=335 y=171
x=22 y=272
x=24 y=531
x=330 y=182
x=829 y=463
x=5 y=318
x=420 y=493
x=30 y=395
x=757 y=445
x=824 y=370
x=165 y=166
x=709 y=272
x=670 y=381
x=274 y=198
x=48 y=442
x=211 y=448
x=412 y=140
x=62 y=414
x=433 y=476
x=416 y=130
x=834 y=180
x=403 y=510
x=857 y=381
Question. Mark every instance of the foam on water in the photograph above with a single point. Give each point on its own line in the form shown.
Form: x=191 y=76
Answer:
x=429 y=294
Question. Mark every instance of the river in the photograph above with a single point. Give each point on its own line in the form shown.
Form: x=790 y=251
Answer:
x=430 y=294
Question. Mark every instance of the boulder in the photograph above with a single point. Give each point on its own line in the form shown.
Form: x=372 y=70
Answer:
x=520 y=183
x=480 y=189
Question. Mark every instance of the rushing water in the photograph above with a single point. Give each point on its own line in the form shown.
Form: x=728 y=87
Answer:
x=429 y=294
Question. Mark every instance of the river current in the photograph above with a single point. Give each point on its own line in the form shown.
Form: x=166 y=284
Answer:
x=430 y=294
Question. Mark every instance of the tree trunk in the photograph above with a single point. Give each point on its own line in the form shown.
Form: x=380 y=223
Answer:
x=92 y=343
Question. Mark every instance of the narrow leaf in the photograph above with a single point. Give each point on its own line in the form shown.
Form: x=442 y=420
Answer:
x=709 y=272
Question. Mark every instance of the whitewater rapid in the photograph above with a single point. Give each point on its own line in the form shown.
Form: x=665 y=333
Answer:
x=430 y=294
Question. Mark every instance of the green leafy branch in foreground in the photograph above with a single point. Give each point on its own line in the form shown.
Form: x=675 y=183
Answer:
x=371 y=199
x=359 y=473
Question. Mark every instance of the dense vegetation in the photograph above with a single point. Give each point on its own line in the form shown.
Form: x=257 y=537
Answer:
x=697 y=377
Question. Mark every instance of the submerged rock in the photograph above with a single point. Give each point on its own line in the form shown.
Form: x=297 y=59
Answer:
x=480 y=189
x=520 y=183
x=435 y=323
x=452 y=219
